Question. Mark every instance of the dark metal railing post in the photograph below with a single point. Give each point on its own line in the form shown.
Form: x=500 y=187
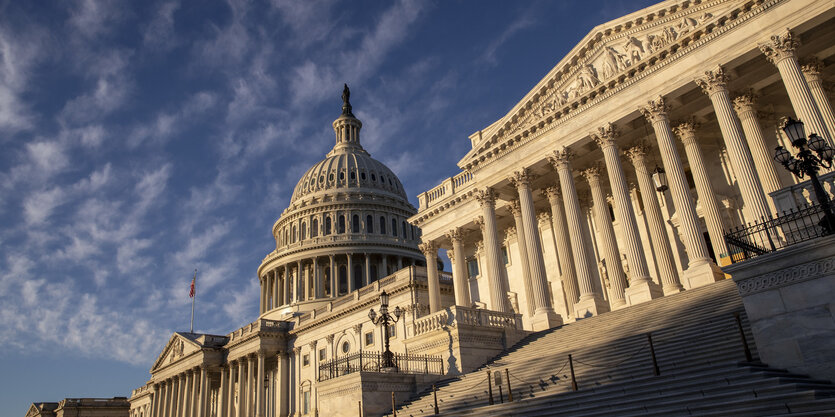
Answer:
x=489 y=389
x=435 y=393
x=748 y=356
x=509 y=390
x=655 y=369
x=393 y=407
x=573 y=378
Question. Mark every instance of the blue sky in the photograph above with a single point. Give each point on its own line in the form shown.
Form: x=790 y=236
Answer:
x=141 y=140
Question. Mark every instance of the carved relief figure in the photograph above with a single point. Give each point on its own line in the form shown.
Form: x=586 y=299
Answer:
x=613 y=62
x=634 y=49
x=587 y=78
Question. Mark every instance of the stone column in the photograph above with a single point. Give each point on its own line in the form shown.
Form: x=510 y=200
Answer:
x=155 y=400
x=283 y=385
x=590 y=302
x=701 y=270
x=611 y=254
x=495 y=269
x=203 y=393
x=186 y=398
x=221 y=393
x=276 y=288
x=663 y=255
x=430 y=251
x=287 y=279
x=262 y=299
x=399 y=263
x=384 y=260
x=460 y=277
x=259 y=385
x=812 y=72
x=714 y=84
x=230 y=391
x=367 y=279
x=172 y=393
x=641 y=287
x=544 y=315
x=744 y=106
x=350 y=274
x=317 y=279
x=569 y=276
x=250 y=386
x=687 y=133
x=781 y=51
x=516 y=210
x=241 y=409
x=333 y=277
x=195 y=391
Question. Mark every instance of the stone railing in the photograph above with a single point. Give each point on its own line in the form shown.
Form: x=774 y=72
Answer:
x=801 y=194
x=258 y=325
x=140 y=391
x=459 y=315
x=446 y=188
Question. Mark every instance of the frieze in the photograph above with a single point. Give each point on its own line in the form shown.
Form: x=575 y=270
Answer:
x=787 y=276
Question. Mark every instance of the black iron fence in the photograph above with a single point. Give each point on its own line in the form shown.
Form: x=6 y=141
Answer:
x=372 y=362
x=790 y=228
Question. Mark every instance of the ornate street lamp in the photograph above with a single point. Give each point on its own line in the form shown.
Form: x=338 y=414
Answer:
x=385 y=318
x=659 y=177
x=808 y=163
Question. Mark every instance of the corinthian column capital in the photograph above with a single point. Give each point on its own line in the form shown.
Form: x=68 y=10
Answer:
x=479 y=221
x=455 y=235
x=686 y=132
x=552 y=193
x=561 y=158
x=713 y=81
x=592 y=175
x=655 y=110
x=605 y=136
x=812 y=69
x=744 y=103
x=780 y=47
x=637 y=154
x=515 y=207
x=520 y=178
x=428 y=248
x=485 y=196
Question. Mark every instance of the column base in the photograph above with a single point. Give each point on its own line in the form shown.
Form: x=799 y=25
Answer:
x=545 y=319
x=672 y=289
x=617 y=303
x=590 y=307
x=702 y=273
x=642 y=292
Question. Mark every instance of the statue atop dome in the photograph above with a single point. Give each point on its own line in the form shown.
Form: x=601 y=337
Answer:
x=346 y=105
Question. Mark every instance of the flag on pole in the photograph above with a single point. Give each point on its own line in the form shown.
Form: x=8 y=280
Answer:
x=191 y=290
x=191 y=295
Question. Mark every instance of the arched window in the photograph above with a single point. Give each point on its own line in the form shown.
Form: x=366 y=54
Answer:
x=355 y=224
x=369 y=224
x=293 y=235
x=382 y=225
x=343 y=279
x=394 y=227
x=314 y=228
x=403 y=228
x=327 y=225
x=304 y=231
x=341 y=225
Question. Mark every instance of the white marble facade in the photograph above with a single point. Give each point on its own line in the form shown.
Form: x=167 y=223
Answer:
x=554 y=215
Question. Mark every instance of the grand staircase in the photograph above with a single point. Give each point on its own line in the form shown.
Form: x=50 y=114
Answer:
x=699 y=352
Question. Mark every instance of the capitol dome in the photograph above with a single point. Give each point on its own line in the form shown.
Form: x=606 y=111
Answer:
x=345 y=227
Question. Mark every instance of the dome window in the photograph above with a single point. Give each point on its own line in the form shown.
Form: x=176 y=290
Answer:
x=373 y=177
x=341 y=176
x=330 y=177
x=362 y=175
x=321 y=178
x=369 y=224
x=353 y=175
x=383 y=179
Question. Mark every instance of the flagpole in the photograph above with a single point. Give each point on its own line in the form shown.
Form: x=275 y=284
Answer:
x=194 y=284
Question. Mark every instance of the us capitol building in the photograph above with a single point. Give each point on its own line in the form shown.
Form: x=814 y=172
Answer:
x=553 y=218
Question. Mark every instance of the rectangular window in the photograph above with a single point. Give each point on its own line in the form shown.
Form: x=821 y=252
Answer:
x=306 y=360
x=504 y=255
x=369 y=338
x=322 y=354
x=472 y=267
x=392 y=331
x=306 y=402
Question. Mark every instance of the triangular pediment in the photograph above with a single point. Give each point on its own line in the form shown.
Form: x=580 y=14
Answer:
x=179 y=346
x=602 y=58
x=41 y=409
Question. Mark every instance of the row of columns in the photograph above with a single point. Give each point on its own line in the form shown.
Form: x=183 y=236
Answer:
x=749 y=158
x=306 y=279
x=182 y=395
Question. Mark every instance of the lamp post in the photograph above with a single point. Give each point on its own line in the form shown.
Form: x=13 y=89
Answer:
x=659 y=178
x=808 y=163
x=386 y=318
